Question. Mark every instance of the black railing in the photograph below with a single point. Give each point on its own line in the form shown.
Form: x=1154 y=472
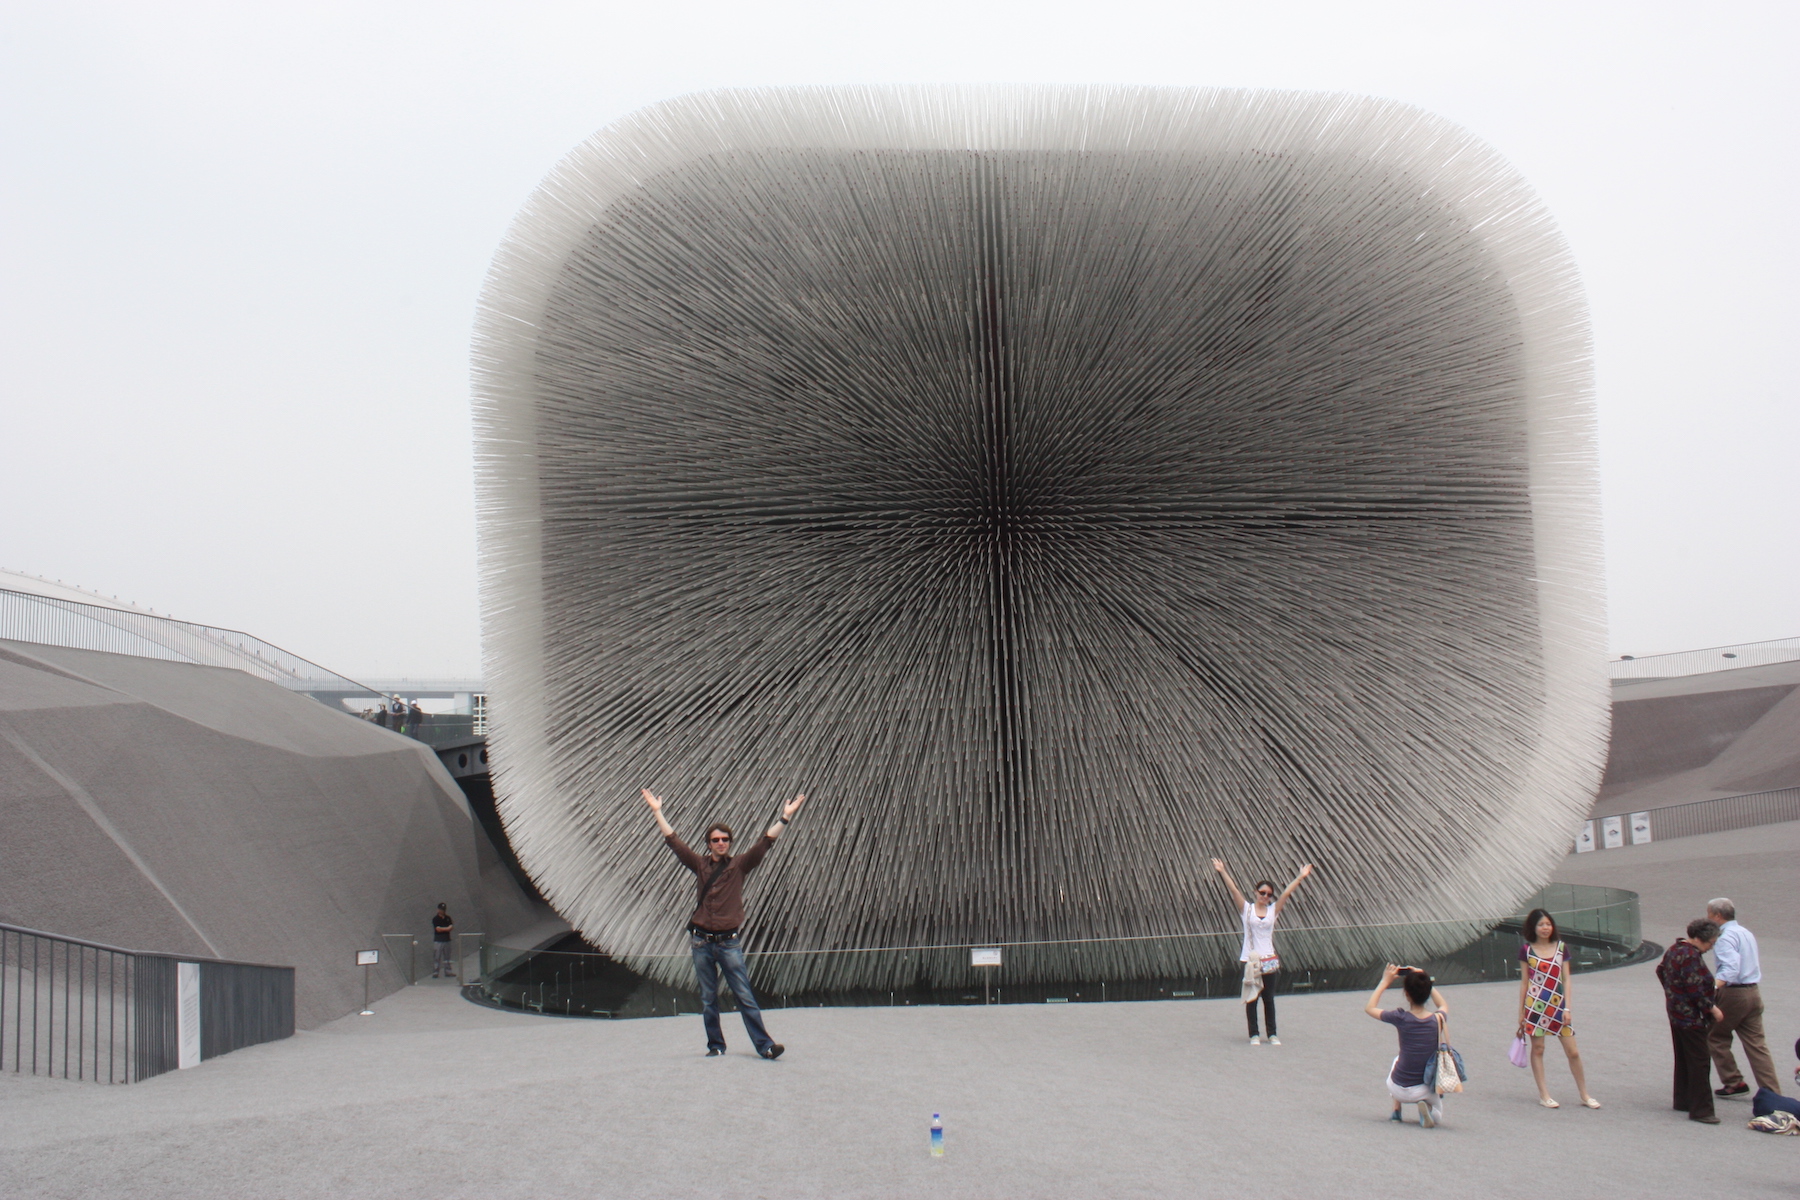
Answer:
x=74 y=1009
x=434 y=729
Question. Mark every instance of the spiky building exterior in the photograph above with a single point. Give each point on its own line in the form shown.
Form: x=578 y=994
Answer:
x=1061 y=486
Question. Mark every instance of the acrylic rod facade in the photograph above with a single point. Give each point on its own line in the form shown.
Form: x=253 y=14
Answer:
x=1061 y=486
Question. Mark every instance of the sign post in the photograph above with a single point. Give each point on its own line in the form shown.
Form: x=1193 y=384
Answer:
x=984 y=956
x=366 y=959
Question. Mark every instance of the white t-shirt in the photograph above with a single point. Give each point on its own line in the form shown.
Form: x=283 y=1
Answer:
x=1259 y=932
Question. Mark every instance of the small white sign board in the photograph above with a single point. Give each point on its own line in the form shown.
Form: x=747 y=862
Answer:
x=1613 y=830
x=984 y=956
x=187 y=1015
x=1584 y=841
x=1640 y=828
x=367 y=958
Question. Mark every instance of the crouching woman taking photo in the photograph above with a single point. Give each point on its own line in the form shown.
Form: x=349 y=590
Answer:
x=1420 y=1030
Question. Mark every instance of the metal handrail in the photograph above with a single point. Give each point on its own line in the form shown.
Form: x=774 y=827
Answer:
x=1706 y=660
x=54 y=621
x=1717 y=814
x=193 y=958
x=1602 y=926
x=412 y=954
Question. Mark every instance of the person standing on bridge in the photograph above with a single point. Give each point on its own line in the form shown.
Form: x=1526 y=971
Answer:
x=441 y=957
x=719 y=917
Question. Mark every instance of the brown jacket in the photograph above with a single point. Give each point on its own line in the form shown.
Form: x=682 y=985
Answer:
x=721 y=885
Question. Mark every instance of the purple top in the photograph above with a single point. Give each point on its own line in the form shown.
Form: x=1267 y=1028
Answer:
x=1418 y=1042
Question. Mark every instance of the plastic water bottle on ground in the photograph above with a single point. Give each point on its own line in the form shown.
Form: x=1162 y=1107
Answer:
x=937 y=1135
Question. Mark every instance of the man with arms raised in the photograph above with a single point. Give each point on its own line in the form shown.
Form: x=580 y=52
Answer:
x=713 y=929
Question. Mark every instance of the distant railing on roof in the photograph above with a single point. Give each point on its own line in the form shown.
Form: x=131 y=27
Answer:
x=1717 y=815
x=1701 y=662
x=53 y=621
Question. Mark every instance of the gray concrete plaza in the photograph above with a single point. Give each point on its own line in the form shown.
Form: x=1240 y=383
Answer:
x=436 y=1097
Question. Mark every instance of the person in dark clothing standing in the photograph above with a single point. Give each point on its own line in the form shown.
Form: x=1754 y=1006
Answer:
x=441 y=958
x=1688 y=994
x=718 y=917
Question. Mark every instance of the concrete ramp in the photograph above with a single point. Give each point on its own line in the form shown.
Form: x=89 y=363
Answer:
x=1702 y=736
x=189 y=809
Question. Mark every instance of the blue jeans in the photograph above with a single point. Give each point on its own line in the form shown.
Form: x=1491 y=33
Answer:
x=709 y=959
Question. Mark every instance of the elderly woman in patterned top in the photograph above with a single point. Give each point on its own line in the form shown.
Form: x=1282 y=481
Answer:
x=1688 y=996
x=1544 y=1003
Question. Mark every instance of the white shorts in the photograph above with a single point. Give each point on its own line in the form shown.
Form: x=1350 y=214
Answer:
x=1410 y=1095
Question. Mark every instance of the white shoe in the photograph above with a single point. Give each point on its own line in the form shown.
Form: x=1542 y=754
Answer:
x=1273 y=1040
x=1256 y=1041
x=1425 y=1120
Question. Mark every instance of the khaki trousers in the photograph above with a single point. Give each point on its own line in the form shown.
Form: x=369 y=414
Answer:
x=1743 y=1009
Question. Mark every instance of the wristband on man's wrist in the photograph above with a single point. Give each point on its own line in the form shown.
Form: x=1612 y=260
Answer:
x=781 y=820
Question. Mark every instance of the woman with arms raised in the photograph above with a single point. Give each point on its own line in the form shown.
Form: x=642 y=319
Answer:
x=1259 y=944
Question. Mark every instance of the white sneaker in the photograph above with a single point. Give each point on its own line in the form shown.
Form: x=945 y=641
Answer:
x=1256 y=1041
x=1274 y=1041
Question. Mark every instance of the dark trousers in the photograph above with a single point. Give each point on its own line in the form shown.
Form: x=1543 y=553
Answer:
x=1268 y=1003
x=1693 y=1072
x=710 y=958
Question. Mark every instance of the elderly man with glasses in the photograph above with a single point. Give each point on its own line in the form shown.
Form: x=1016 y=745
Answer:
x=1739 y=998
x=713 y=929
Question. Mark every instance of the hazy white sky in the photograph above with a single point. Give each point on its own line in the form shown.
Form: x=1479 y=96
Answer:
x=240 y=246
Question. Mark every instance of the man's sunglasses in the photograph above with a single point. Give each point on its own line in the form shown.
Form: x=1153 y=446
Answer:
x=719 y=839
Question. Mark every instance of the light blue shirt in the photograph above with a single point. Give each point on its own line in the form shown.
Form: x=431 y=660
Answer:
x=1735 y=952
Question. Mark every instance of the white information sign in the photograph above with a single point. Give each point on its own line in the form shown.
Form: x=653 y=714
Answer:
x=367 y=958
x=1640 y=828
x=984 y=956
x=187 y=1014
x=1584 y=841
x=1612 y=829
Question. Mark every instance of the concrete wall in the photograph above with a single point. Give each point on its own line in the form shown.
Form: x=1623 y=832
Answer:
x=198 y=810
x=1703 y=736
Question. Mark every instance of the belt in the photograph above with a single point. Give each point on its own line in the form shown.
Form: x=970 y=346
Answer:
x=1737 y=985
x=712 y=935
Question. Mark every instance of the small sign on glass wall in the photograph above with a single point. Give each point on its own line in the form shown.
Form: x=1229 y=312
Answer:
x=367 y=958
x=984 y=956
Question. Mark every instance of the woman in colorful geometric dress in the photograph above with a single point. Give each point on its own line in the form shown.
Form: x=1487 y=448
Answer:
x=1544 y=1003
